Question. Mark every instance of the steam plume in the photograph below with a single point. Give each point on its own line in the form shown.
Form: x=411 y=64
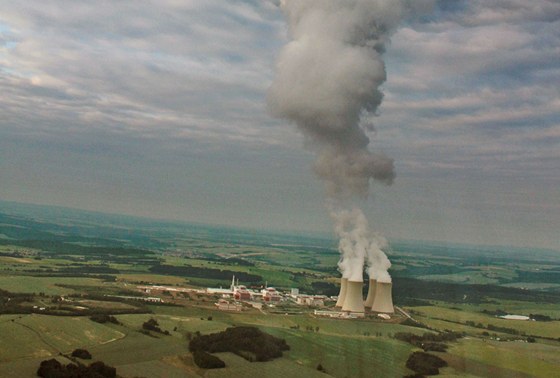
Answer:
x=327 y=78
x=358 y=244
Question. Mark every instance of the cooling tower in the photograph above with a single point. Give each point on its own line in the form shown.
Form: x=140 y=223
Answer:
x=383 y=301
x=342 y=294
x=354 y=301
x=371 y=293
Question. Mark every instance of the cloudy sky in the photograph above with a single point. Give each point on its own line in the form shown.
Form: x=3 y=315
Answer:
x=158 y=108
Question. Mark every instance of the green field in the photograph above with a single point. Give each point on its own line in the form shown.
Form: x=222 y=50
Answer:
x=94 y=261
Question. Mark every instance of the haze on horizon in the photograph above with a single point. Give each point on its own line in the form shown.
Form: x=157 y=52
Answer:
x=159 y=109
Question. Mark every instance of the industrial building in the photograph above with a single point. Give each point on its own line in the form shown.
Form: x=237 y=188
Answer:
x=350 y=300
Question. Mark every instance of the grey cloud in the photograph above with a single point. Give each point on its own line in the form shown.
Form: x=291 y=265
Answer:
x=141 y=65
x=475 y=84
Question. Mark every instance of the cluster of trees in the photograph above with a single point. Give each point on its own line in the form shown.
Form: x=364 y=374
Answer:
x=104 y=318
x=414 y=323
x=511 y=331
x=11 y=303
x=429 y=341
x=321 y=369
x=325 y=288
x=497 y=312
x=425 y=363
x=54 y=369
x=495 y=328
x=205 y=360
x=81 y=353
x=248 y=342
x=153 y=325
x=198 y=272
x=540 y=318
x=230 y=261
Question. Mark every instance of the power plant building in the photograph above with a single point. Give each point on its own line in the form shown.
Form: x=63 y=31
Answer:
x=270 y=294
x=241 y=293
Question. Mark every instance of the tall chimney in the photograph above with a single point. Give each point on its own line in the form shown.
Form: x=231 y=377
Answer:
x=354 y=301
x=371 y=293
x=342 y=294
x=383 y=301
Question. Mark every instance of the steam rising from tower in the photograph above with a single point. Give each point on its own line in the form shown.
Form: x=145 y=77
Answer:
x=327 y=80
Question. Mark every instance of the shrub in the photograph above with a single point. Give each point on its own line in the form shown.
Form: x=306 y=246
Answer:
x=50 y=368
x=81 y=353
x=153 y=325
x=103 y=370
x=540 y=318
x=205 y=360
x=413 y=323
x=321 y=368
x=54 y=369
x=434 y=347
x=103 y=318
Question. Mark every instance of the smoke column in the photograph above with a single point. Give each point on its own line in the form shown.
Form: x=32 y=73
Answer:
x=327 y=79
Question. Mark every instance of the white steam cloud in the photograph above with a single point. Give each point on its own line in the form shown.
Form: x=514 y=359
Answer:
x=327 y=78
x=358 y=244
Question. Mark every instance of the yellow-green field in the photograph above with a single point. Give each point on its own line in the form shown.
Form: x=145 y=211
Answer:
x=43 y=336
x=47 y=285
x=511 y=358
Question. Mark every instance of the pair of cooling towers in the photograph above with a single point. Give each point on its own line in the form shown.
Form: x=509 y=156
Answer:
x=379 y=298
